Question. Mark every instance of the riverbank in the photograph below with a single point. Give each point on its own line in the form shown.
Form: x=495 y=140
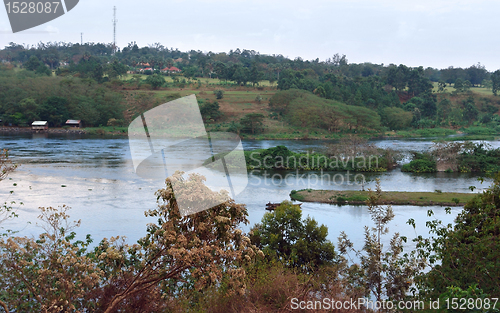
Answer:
x=354 y=197
x=473 y=133
x=16 y=130
x=108 y=130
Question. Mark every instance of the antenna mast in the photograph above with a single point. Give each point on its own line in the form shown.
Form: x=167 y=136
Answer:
x=114 y=29
x=81 y=38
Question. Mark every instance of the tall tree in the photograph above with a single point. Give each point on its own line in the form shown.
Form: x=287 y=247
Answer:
x=444 y=109
x=116 y=69
x=383 y=273
x=220 y=70
x=418 y=83
x=32 y=64
x=30 y=109
x=255 y=75
x=55 y=111
x=476 y=74
x=284 y=236
x=252 y=123
x=155 y=80
x=470 y=111
x=495 y=82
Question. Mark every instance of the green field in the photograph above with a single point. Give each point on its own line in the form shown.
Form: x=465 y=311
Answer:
x=204 y=81
x=479 y=90
x=388 y=197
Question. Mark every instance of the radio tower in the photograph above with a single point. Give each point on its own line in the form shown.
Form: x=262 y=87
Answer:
x=114 y=29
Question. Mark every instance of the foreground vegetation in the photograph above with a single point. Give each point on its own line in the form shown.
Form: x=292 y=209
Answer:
x=54 y=272
x=203 y=263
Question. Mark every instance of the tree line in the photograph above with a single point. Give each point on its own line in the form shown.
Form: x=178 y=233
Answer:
x=401 y=97
x=240 y=66
x=26 y=97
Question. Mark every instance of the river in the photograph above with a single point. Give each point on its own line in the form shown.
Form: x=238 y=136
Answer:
x=95 y=177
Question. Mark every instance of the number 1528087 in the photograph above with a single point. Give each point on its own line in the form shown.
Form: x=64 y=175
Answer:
x=32 y=7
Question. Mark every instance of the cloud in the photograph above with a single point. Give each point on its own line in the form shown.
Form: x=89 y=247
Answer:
x=51 y=29
x=432 y=6
x=424 y=32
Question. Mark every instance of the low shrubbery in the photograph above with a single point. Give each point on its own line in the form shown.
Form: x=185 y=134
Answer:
x=421 y=163
x=281 y=157
x=456 y=157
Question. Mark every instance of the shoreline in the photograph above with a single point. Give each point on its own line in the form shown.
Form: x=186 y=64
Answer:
x=270 y=136
x=76 y=131
x=15 y=129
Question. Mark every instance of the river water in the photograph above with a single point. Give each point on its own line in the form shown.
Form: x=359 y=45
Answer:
x=96 y=178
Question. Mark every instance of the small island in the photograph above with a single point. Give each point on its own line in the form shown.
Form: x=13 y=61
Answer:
x=356 y=197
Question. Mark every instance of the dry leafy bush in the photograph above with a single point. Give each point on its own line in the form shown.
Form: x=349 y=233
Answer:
x=271 y=288
x=6 y=165
x=49 y=274
x=55 y=273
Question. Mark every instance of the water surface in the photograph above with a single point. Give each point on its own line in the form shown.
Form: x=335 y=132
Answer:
x=95 y=177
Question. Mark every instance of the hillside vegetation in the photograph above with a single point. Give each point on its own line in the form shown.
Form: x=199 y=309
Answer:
x=257 y=96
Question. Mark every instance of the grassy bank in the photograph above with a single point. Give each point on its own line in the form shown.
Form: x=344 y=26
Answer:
x=106 y=130
x=446 y=134
x=388 y=197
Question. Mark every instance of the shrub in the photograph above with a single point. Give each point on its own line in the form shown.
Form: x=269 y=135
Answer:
x=341 y=200
x=421 y=163
x=465 y=253
x=210 y=111
x=219 y=94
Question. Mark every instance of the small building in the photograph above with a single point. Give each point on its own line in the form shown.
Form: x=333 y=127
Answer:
x=74 y=123
x=40 y=125
x=172 y=69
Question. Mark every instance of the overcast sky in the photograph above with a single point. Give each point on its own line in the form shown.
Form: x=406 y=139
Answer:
x=436 y=33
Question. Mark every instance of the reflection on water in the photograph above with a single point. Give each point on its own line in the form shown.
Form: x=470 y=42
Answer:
x=95 y=177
